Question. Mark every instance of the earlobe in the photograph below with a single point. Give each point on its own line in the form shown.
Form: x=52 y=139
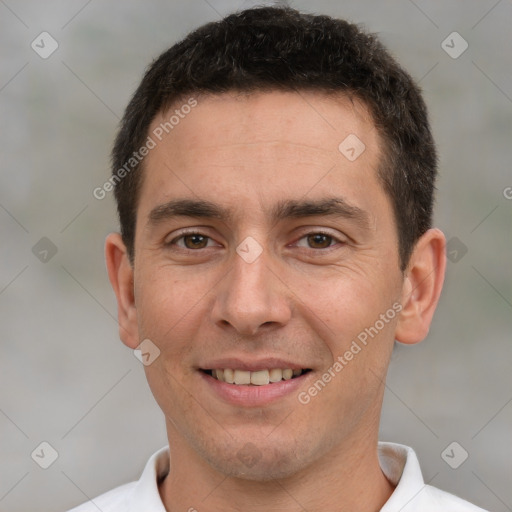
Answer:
x=120 y=273
x=422 y=287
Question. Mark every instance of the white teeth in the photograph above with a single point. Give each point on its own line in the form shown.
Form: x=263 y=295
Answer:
x=275 y=375
x=242 y=377
x=229 y=375
x=258 y=378
x=287 y=374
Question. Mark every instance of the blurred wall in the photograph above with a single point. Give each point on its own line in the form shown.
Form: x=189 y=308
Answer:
x=66 y=379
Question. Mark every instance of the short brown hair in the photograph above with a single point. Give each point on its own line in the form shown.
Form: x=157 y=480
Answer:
x=279 y=48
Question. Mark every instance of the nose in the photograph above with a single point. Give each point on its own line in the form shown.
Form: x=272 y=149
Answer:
x=252 y=298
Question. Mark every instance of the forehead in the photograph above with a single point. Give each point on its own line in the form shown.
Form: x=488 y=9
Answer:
x=260 y=145
x=312 y=119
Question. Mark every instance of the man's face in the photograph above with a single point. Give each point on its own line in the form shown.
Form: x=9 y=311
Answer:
x=293 y=257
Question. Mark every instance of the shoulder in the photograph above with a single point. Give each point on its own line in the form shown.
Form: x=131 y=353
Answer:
x=401 y=467
x=111 y=501
x=140 y=495
x=440 y=498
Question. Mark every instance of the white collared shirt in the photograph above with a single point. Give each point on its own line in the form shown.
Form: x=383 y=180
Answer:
x=398 y=462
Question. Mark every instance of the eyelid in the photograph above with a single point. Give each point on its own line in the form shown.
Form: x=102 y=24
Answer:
x=318 y=231
x=339 y=237
x=335 y=242
x=185 y=232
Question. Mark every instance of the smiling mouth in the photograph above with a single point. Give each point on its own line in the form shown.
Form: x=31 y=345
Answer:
x=257 y=378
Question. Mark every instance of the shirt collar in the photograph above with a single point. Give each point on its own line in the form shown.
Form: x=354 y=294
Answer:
x=401 y=467
x=145 y=494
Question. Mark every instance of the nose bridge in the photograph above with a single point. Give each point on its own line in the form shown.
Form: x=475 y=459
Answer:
x=251 y=274
x=251 y=295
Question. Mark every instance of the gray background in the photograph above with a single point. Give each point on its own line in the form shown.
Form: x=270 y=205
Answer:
x=66 y=379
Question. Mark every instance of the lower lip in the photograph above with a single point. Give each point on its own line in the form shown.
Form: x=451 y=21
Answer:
x=254 y=396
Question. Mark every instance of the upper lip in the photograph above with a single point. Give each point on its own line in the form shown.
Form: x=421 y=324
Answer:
x=253 y=365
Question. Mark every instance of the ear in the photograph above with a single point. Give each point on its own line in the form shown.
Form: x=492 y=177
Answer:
x=120 y=274
x=422 y=287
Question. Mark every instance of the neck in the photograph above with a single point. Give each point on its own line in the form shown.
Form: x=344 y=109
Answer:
x=346 y=479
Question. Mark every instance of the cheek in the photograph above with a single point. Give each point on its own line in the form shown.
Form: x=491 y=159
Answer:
x=169 y=309
x=345 y=311
x=169 y=312
x=346 y=300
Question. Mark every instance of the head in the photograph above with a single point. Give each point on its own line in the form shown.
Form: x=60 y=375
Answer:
x=280 y=49
x=280 y=215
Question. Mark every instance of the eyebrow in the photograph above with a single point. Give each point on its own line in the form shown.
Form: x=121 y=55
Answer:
x=330 y=206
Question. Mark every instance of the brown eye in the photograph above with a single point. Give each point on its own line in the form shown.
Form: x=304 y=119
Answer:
x=319 y=241
x=195 y=241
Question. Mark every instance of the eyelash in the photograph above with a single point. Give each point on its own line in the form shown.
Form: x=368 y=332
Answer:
x=191 y=233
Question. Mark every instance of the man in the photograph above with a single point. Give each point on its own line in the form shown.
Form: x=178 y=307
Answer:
x=274 y=175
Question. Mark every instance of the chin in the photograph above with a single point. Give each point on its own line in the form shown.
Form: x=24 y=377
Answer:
x=258 y=461
x=263 y=471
